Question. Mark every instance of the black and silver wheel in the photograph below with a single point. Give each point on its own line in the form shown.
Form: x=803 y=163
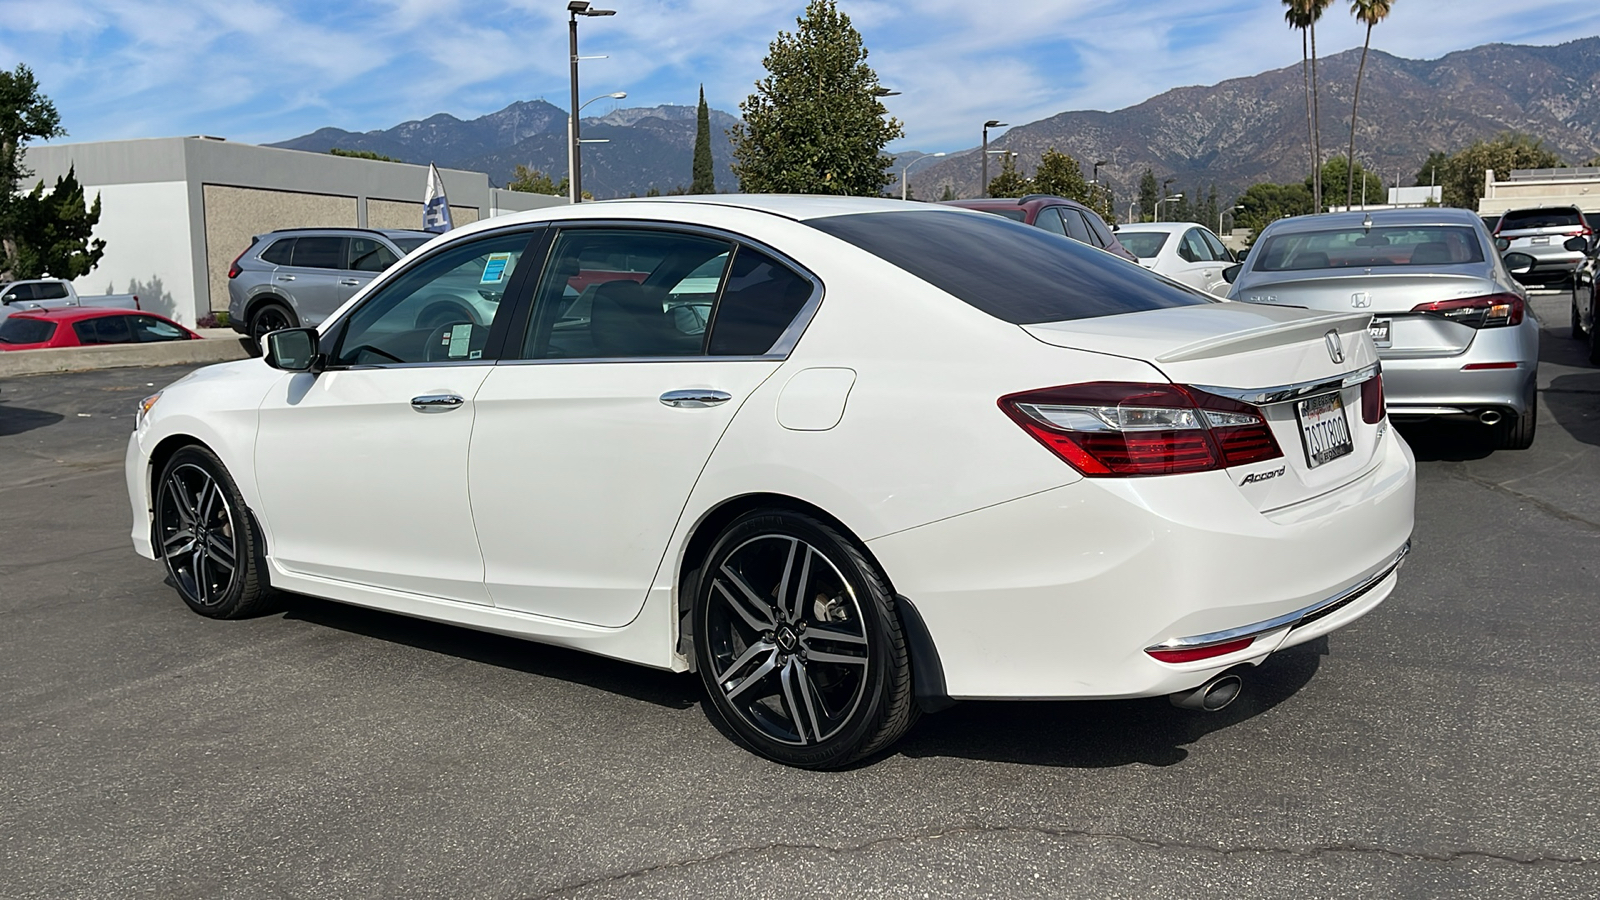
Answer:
x=267 y=318
x=798 y=643
x=207 y=539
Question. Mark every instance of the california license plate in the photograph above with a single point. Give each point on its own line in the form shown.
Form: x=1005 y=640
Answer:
x=1379 y=329
x=1324 y=429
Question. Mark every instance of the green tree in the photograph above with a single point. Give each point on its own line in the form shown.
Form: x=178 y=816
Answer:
x=25 y=115
x=1060 y=174
x=949 y=192
x=1462 y=177
x=1206 y=209
x=1432 y=169
x=1265 y=203
x=1369 y=13
x=1149 y=195
x=361 y=154
x=1337 y=169
x=705 y=179
x=1591 y=162
x=56 y=232
x=1010 y=182
x=533 y=181
x=815 y=124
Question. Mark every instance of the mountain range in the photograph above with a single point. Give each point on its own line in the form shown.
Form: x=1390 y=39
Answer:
x=1232 y=134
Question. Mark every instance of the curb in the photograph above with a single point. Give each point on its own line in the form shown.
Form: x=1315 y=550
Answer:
x=221 y=345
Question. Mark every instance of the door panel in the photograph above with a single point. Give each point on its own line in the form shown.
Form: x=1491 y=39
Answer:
x=312 y=278
x=579 y=473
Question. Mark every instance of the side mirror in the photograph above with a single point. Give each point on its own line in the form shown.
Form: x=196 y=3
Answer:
x=1577 y=245
x=1518 y=264
x=293 y=350
x=1502 y=244
x=1239 y=255
x=1231 y=272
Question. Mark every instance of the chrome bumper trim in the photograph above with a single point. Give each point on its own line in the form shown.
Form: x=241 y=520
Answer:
x=1286 y=392
x=1325 y=606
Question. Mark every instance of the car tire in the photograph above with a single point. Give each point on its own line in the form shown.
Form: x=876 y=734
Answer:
x=798 y=642
x=1594 y=327
x=205 y=535
x=269 y=317
x=1516 y=432
x=1577 y=319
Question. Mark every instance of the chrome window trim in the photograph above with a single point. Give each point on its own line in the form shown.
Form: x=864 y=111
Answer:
x=1286 y=392
x=1287 y=619
x=780 y=349
x=595 y=360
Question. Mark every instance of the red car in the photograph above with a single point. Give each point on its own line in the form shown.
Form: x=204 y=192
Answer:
x=1068 y=218
x=79 y=326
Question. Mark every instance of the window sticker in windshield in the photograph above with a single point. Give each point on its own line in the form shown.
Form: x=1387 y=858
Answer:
x=494 y=271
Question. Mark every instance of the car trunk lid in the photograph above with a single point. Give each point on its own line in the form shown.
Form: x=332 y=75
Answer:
x=1390 y=297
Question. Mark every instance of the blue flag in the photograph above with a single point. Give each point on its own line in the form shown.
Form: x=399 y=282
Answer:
x=435 y=206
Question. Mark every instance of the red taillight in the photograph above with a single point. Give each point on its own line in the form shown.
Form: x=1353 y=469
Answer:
x=1372 y=407
x=1112 y=429
x=233 y=269
x=1195 y=654
x=1487 y=311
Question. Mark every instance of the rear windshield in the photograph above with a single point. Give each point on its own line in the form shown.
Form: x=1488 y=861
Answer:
x=1013 y=272
x=20 y=330
x=1539 y=218
x=1408 y=245
x=1144 y=244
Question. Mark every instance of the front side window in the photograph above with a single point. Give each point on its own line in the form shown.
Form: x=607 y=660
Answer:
x=49 y=290
x=319 y=253
x=104 y=330
x=279 y=253
x=1050 y=221
x=1192 y=249
x=1400 y=245
x=611 y=293
x=22 y=330
x=1218 y=252
x=149 y=329
x=439 y=310
x=370 y=255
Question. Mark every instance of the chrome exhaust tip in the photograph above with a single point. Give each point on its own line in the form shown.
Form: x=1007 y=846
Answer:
x=1490 y=417
x=1213 y=696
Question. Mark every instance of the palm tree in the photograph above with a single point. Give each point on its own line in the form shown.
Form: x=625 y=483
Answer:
x=1370 y=13
x=1303 y=14
x=1298 y=17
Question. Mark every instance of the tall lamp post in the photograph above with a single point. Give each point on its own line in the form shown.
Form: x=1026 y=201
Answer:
x=907 y=168
x=1173 y=198
x=1164 y=185
x=1226 y=212
x=992 y=123
x=1095 y=179
x=577 y=8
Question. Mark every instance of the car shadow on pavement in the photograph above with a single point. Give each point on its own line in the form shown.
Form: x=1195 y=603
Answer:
x=1107 y=733
x=17 y=419
x=1447 y=441
x=668 y=689
x=1574 y=402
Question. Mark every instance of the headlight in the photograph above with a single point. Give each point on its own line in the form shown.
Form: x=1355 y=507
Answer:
x=145 y=406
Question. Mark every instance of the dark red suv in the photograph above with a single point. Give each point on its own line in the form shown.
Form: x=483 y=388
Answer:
x=1058 y=214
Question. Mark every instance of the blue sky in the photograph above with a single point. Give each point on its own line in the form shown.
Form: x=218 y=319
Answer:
x=265 y=70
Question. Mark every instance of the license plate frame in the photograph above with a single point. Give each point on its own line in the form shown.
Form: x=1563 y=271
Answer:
x=1382 y=332
x=1324 y=429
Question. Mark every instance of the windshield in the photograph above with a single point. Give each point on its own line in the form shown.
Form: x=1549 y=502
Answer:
x=1022 y=275
x=1143 y=244
x=22 y=330
x=407 y=245
x=1408 y=245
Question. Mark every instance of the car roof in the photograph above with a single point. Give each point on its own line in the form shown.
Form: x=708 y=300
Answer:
x=1435 y=215
x=1031 y=200
x=1164 y=227
x=75 y=313
x=342 y=229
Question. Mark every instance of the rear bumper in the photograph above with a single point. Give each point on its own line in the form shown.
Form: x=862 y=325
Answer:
x=1059 y=594
x=1442 y=386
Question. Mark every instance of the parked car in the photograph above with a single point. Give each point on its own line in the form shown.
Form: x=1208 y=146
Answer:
x=1451 y=323
x=82 y=326
x=297 y=276
x=1054 y=214
x=1542 y=233
x=1585 y=302
x=54 y=293
x=1183 y=251
x=910 y=453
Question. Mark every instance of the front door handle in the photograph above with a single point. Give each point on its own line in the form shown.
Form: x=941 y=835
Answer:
x=695 y=398
x=436 y=402
x=349 y=282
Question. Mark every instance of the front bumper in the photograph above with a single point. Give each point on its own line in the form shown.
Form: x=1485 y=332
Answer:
x=1058 y=595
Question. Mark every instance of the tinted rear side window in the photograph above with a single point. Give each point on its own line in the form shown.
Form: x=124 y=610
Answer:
x=278 y=253
x=1013 y=272
x=319 y=253
x=19 y=330
x=761 y=298
x=1539 y=218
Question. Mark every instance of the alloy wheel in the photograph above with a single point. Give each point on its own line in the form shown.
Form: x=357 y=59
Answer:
x=788 y=641
x=267 y=321
x=198 y=534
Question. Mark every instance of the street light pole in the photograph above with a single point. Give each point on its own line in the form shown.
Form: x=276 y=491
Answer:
x=906 y=169
x=992 y=123
x=1165 y=200
x=575 y=9
x=1226 y=212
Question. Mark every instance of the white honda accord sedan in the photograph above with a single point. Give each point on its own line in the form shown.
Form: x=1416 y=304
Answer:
x=847 y=459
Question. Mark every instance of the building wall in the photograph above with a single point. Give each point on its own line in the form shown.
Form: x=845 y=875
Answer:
x=137 y=222
x=234 y=215
x=408 y=214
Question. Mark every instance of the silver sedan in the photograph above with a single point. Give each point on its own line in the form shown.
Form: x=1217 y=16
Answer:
x=1453 y=329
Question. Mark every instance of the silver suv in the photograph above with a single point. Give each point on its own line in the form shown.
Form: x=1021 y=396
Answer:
x=299 y=276
x=1542 y=233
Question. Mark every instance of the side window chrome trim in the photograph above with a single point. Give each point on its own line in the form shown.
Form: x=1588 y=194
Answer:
x=779 y=350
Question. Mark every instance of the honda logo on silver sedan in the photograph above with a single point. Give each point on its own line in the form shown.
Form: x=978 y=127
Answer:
x=1361 y=300
x=1335 y=346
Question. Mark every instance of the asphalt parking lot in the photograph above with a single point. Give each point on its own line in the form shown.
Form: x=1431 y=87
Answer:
x=1444 y=746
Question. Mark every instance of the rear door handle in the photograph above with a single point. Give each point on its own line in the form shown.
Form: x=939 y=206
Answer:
x=695 y=398
x=349 y=282
x=436 y=402
x=285 y=277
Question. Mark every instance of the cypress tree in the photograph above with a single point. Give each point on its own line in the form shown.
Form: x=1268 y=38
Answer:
x=705 y=180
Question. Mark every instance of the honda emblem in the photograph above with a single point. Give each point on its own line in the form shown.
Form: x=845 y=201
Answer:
x=1361 y=300
x=1335 y=346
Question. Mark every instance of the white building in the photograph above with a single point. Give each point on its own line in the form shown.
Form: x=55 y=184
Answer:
x=1578 y=187
x=175 y=212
